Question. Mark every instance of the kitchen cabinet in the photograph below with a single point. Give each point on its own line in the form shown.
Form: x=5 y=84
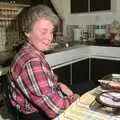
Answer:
x=86 y=70
x=63 y=74
x=83 y=75
x=80 y=71
x=74 y=73
x=76 y=76
x=81 y=6
x=81 y=81
x=100 y=5
x=102 y=67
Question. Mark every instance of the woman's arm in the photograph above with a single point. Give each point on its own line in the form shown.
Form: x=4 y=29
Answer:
x=42 y=90
x=65 y=89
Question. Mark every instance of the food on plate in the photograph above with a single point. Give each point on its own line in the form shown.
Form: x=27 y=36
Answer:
x=115 y=85
x=110 y=84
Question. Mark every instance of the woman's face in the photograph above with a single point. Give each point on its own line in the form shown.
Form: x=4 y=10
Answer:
x=41 y=34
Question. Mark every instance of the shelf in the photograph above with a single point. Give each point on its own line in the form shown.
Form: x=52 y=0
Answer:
x=6 y=18
x=9 y=11
x=11 y=5
x=9 y=29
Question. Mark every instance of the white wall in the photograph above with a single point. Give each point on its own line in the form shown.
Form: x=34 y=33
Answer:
x=91 y=18
x=63 y=7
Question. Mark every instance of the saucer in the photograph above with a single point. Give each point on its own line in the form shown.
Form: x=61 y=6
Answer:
x=110 y=99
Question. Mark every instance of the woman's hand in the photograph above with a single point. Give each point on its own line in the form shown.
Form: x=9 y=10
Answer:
x=74 y=97
x=65 y=89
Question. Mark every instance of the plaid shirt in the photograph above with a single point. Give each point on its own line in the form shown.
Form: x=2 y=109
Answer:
x=33 y=85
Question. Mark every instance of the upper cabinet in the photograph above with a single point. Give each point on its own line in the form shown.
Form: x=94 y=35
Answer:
x=100 y=5
x=79 y=6
x=83 y=6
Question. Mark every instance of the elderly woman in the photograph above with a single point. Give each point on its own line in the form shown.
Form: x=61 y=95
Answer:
x=33 y=87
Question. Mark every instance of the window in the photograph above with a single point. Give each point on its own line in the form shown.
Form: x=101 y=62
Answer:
x=80 y=6
x=100 y=5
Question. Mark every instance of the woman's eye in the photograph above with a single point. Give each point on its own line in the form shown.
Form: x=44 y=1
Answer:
x=46 y=32
x=43 y=32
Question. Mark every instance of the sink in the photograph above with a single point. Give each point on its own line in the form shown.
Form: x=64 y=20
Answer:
x=62 y=46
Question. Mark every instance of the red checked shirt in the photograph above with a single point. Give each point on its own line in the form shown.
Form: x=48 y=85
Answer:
x=33 y=85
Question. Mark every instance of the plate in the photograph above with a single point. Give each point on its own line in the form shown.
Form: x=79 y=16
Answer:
x=110 y=85
x=110 y=99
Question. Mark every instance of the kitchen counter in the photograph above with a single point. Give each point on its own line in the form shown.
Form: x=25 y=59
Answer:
x=67 y=56
x=105 y=42
x=81 y=52
x=77 y=53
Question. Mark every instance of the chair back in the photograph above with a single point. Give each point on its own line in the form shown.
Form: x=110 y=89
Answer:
x=5 y=92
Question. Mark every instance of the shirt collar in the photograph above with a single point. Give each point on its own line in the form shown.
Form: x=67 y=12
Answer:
x=32 y=47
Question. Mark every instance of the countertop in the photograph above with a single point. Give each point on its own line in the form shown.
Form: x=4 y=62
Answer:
x=80 y=52
x=76 y=53
x=102 y=42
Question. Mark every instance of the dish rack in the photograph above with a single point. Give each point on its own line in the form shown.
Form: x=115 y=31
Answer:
x=9 y=30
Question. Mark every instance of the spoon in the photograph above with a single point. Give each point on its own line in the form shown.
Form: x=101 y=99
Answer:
x=113 y=97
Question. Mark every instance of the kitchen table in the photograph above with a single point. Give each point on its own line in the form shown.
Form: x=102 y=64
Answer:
x=86 y=108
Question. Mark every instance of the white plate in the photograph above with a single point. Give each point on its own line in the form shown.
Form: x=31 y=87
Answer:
x=109 y=99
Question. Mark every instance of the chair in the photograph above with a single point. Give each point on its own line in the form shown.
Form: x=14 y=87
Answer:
x=14 y=113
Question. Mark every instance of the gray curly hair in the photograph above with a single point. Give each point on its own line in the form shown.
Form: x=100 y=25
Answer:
x=32 y=14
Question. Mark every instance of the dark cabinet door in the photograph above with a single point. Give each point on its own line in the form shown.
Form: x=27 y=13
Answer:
x=80 y=71
x=63 y=74
x=100 y=5
x=78 y=6
x=102 y=67
x=81 y=6
x=80 y=77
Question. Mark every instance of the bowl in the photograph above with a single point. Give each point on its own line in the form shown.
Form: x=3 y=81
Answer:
x=105 y=84
x=111 y=82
